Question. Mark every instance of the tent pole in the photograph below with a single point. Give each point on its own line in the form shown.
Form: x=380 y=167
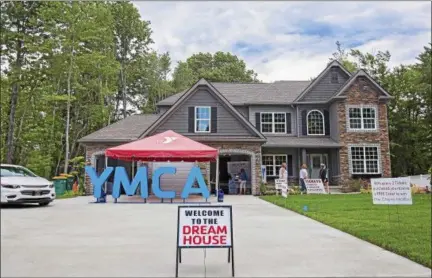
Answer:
x=106 y=183
x=217 y=175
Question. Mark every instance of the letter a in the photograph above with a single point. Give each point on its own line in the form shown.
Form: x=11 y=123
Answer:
x=98 y=181
x=195 y=174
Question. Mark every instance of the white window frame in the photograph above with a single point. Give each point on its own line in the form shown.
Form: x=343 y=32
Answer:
x=307 y=122
x=276 y=174
x=361 y=129
x=273 y=122
x=196 y=120
x=364 y=146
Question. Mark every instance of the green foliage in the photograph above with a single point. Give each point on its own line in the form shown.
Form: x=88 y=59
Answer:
x=218 y=67
x=405 y=230
x=69 y=194
x=263 y=188
x=352 y=185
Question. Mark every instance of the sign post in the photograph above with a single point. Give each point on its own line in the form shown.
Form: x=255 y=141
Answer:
x=205 y=227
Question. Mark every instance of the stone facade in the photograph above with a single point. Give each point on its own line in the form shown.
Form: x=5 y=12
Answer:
x=362 y=92
x=251 y=149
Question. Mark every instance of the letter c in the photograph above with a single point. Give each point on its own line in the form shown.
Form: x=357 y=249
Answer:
x=156 y=182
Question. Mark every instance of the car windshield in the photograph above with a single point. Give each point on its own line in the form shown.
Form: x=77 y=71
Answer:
x=10 y=171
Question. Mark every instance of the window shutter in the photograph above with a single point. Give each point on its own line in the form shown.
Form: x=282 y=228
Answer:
x=258 y=121
x=191 y=119
x=327 y=122
x=290 y=166
x=288 y=123
x=304 y=122
x=213 y=119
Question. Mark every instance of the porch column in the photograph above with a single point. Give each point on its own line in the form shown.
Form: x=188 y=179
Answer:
x=217 y=175
x=303 y=155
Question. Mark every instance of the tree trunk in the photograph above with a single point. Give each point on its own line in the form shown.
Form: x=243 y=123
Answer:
x=123 y=81
x=66 y=164
x=13 y=103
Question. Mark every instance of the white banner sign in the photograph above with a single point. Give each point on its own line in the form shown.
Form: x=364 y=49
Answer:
x=264 y=174
x=314 y=186
x=279 y=183
x=391 y=191
x=204 y=226
x=234 y=167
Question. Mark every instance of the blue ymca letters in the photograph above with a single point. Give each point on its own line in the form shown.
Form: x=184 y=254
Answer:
x=121 y=179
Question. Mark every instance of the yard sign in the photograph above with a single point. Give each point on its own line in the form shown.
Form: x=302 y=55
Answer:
x=279 y=183
x=391 y=191
x=314 y=186
x=205 y=227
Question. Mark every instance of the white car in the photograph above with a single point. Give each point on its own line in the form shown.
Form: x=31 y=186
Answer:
x=20 y=185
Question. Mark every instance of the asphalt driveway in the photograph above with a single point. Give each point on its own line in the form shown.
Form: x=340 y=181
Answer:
x=75 y=238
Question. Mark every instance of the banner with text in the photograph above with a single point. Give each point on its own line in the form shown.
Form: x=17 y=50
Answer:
x=391 y=191
x=314 y=186
x=204 y=226
x=279 y=183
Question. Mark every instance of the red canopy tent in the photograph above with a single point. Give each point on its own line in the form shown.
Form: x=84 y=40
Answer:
x=165 y=146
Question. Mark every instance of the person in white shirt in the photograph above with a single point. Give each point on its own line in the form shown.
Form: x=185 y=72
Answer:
x=303 y=175
x=283 y=173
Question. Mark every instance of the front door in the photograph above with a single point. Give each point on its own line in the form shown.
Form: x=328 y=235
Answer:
x=315 y=164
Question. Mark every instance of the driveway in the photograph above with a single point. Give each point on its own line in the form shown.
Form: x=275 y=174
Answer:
x=75 y=238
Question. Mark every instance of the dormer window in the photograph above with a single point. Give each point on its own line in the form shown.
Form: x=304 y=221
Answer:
x=334 y=76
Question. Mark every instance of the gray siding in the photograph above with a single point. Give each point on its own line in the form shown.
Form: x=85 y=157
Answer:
x=309 y=108
x=227 y=124
x=284 y=109
x=286 y=151
x=244 y=110
x=163 y=109
x=334 y=122
x=324 y=89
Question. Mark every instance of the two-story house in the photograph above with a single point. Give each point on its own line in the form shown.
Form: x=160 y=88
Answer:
x=339 y=119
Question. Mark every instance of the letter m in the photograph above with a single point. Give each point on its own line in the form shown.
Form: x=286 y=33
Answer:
x=121 y=178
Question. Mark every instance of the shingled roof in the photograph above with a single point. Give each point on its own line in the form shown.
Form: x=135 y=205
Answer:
x=125 y=130
x=279 y=92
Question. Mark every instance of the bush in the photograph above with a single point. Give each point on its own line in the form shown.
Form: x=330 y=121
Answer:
x=353 y=185
x=294 y=189
x=263 y=188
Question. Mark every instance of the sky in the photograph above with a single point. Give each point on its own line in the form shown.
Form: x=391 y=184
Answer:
x=288 y=40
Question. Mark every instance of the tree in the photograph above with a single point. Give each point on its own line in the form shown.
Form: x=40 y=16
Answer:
x=19 y=40
x=220 y=67
x=132 y=36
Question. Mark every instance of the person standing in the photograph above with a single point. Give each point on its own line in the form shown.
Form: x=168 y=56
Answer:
x=303 y=175
x=323 y=173
x=243 y=180
x=283 y=173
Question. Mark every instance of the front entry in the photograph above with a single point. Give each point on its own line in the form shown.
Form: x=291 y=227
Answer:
x=315 y=164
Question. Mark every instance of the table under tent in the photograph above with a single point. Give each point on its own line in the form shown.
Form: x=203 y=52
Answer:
x=164 y=149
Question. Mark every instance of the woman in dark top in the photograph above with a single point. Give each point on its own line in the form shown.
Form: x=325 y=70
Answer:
x=324 y=177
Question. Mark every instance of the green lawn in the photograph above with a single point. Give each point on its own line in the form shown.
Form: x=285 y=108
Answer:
x=404 y=229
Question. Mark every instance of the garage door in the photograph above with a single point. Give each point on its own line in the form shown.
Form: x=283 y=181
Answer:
x=177 y=181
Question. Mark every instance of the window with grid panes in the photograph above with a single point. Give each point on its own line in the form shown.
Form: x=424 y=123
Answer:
x=315 y=123
x=273 y=164
x=202 y=119
x=362 y=118
x=364 y=160
x=273 y=122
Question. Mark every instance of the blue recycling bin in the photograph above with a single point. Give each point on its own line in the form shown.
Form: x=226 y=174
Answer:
x=220 y=196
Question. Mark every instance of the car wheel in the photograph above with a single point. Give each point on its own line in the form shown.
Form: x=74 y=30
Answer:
x=44 y=204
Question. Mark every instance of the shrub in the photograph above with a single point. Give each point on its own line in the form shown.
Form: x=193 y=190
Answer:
x=294 y=189
x=353 y=185
x=263 y=188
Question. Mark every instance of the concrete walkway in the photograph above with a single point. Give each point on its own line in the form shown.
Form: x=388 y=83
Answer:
x=75 y=238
